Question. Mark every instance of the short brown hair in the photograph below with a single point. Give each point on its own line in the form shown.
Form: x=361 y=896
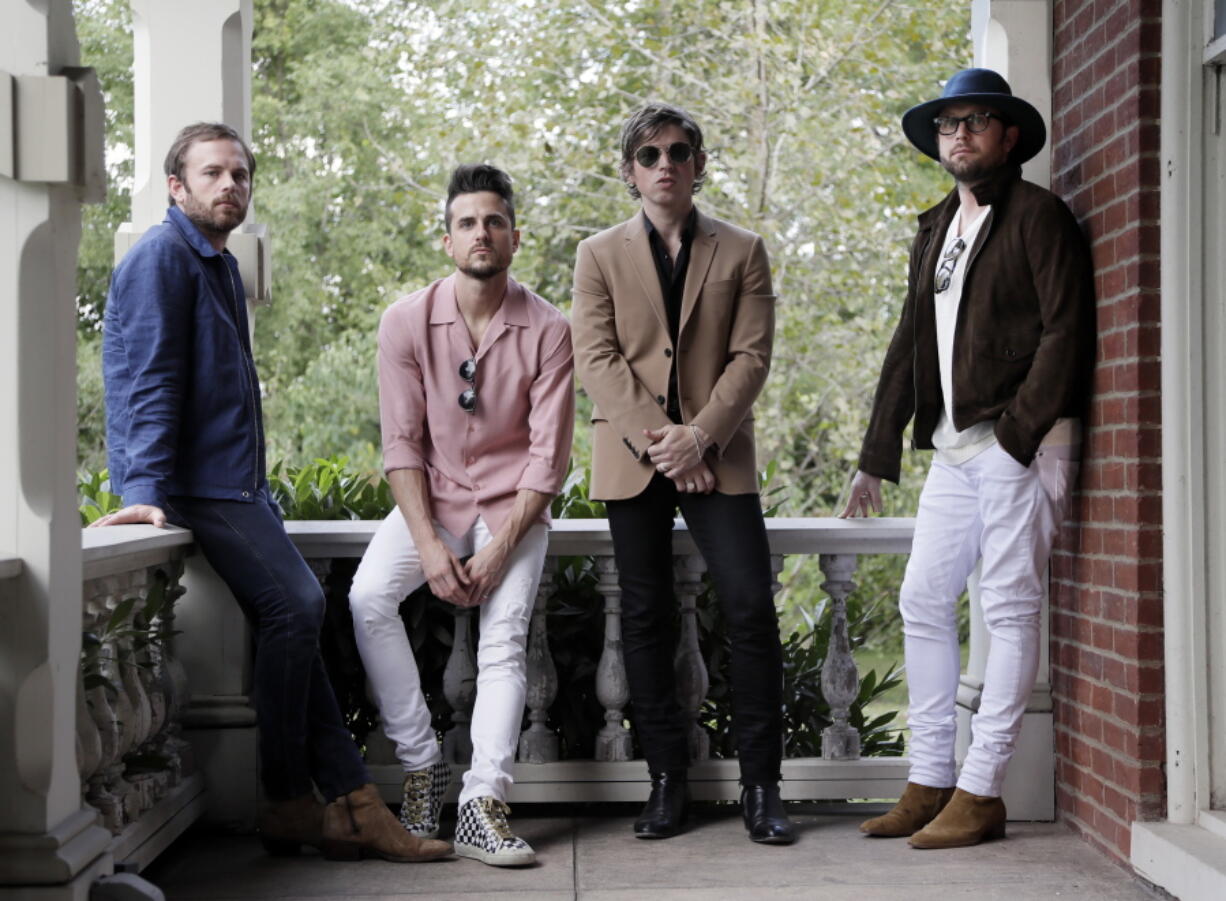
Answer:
x=202 y=131
x=648 y=120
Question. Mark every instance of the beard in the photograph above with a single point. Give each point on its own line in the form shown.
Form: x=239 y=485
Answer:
x=484 y=269
x=970 y=170
x=213 y=219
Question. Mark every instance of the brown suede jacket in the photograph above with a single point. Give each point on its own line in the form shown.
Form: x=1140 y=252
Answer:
x=1024 y=341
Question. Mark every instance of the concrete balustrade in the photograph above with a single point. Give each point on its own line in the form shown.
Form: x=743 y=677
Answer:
x=142 y=777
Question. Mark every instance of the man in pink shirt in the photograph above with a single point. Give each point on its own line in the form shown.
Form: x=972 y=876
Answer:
x=477 y=405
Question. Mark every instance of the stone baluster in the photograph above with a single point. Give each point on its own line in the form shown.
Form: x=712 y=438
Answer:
x=159 y=685
x=108 y=707
x=89 y=740
x=98 y=706
x=176 y=750
x=140 y=797
x=613 y=742
x=537 y=744
x=688 y=665
x=840 y=681
x=460 y=689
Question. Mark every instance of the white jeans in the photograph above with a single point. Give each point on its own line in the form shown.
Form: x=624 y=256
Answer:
x=390 y=570
x=989 y=507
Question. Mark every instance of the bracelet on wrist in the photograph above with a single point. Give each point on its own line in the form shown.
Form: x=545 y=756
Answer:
x=697 y=441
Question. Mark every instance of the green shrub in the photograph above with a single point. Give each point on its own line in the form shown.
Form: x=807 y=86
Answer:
x=328 y=489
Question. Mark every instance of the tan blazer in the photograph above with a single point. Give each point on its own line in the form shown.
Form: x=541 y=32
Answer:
x=623 y=352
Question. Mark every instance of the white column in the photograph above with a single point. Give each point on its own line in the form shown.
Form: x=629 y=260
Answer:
x=192 y=63
x=51 y=141
x=1014 y=38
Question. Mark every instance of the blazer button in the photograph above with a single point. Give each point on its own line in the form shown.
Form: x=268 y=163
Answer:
x=660 y=399
x=668 y=351
x=1009 y=353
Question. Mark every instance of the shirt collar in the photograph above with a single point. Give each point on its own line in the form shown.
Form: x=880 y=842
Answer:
x=190 y=232
x=687 y=229
x=446 y=309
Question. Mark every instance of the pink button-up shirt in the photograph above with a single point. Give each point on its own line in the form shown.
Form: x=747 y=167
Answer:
x=519 y=436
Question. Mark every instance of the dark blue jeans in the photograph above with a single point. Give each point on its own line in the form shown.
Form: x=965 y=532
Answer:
x=303 y=738
x=731 y=535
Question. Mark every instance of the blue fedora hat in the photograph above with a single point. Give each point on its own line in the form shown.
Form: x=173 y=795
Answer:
x=977 y=86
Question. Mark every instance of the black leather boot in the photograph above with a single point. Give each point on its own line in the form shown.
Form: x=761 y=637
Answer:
x=667 y=809
x=765 y=817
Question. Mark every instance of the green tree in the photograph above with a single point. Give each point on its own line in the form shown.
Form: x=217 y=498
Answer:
x=362 y=108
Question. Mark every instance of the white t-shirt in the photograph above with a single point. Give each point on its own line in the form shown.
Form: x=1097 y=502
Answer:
x=951 y=445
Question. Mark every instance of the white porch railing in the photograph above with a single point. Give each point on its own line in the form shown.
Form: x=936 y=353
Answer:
x=611 y=775
x=136 y=769
x=148 y=783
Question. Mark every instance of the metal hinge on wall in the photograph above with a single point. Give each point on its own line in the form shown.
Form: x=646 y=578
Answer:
x=52 y=130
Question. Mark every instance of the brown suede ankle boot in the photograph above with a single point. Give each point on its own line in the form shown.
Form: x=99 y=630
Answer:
x=360 y=825
x=285 y=826
x=966 y=820
x=914 y=810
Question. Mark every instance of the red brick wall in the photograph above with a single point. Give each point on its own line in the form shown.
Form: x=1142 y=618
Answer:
x=1106 y=639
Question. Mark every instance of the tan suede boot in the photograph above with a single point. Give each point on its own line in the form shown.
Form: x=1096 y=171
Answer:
x=285 y=826
x=914 y=810
x=966 y=820
x=360 y=825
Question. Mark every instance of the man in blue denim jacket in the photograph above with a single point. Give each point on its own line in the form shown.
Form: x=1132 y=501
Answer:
x=186 y=445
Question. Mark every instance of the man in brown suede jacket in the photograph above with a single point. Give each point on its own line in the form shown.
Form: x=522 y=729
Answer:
x=992 y=358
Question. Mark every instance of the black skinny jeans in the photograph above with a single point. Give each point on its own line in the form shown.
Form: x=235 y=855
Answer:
x=731 y=535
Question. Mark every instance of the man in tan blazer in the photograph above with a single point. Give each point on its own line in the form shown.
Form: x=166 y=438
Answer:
x=673 y=320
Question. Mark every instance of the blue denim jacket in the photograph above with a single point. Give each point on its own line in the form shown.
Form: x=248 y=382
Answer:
x=182 y=394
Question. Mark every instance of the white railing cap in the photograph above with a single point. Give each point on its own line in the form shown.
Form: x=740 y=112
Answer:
x=575 y=537
x=117 y=548
x=113 y=548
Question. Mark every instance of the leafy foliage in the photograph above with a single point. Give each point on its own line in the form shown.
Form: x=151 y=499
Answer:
x=131 y=633
x=95 y=500
x=328 y=489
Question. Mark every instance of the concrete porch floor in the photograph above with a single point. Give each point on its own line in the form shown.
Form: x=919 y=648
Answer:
x=589 y=853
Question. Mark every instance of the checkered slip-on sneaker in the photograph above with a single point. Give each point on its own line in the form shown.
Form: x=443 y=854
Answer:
x=423 y=799
x=482 y=833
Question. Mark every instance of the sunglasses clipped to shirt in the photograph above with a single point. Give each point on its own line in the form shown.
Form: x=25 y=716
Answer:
x=468 y=398
x=648 y=155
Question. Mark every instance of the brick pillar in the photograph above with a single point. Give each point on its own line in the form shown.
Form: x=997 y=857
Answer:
x=1107 y=569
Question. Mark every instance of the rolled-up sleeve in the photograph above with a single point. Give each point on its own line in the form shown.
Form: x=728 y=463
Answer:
x=402 y=398
x=551 y=418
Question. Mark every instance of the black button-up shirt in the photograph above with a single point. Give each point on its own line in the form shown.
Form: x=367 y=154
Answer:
x=672 y=285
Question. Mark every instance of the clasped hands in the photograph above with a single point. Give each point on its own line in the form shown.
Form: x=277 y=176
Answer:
x=464 y=584
x=676 y=452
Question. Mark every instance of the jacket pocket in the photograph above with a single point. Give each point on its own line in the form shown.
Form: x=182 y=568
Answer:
x=1009 y=349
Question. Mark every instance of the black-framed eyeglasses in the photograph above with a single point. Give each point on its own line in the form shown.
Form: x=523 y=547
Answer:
x=945 y=271
x=976 y=123
x=648 y=155
x=468 y=398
